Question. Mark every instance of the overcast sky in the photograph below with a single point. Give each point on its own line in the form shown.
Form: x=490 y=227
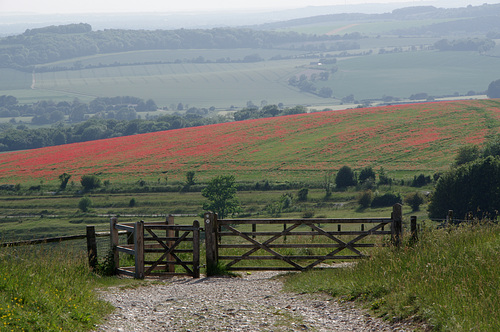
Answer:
x=100 y=6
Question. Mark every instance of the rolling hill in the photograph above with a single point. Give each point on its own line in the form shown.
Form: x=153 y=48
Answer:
x=405 y=139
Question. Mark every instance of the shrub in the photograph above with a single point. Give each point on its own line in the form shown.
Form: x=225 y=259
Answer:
x=365 y=199
x=385 y=200
x=84 y=204
x=302 y=194
x=90 y=182
x=366 y=174
x=414 y=200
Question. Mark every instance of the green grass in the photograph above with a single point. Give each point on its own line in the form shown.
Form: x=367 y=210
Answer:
x=449 y=280
x=47 y=290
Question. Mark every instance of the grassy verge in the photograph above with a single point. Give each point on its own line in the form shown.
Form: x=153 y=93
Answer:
x=47 y=290
x=450 y=280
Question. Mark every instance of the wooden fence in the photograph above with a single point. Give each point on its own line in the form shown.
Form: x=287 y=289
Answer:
x=334 y=235
x=160 y=252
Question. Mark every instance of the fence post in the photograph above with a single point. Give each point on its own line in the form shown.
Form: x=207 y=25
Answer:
x=397 y=224
x=196 y=249
x=91 y=246
x=413 y=229
x=210 y=241
x=114 y=242
x=449 y=218
x=139 y=249
x=170 y=267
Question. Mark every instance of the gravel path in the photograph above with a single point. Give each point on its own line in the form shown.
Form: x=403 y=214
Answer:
x=253 y=302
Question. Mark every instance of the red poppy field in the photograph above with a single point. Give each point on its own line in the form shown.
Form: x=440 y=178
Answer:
x=415 y=138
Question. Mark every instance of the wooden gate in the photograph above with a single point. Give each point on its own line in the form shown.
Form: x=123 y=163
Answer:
x=157 y=249
x=301 y=243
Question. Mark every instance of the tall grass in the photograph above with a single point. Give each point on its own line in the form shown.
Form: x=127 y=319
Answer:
x=43 y=289
x=450 y=279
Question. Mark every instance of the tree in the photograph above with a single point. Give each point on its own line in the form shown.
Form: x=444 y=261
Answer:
x=190 y=178
x=493 y=89
x=414 y=200
x=90 y=181
x=470 y=188
x=466 y=154
x=365 y=199
x=345 y=178
x=366 y=174
x=64 y=180
x=325 y=92
x=221 y=193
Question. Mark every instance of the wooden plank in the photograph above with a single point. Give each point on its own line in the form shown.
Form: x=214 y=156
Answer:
x=301 y=257
x=156 y=239
x=105 y=234
x=301 y=221
x=184 y=228
x=125 y=272
x=114 y=241
x=123 y=227
x=298 y=245
x=305 y=233
x=126 y=250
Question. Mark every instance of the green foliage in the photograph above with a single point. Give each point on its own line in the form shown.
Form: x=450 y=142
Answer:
x=48 y=290
x=414 y=200
x=302 y=194
x=449 y=280
x=345 y=178
x=85 y=204
x=366 y=174
x=385 y=200
x=90 y=181
x=219 y=269
x=421 y=180
x=221 y=193
x=64 y=180
x=190 y=180
x=132 y=202
x=492 y=147
x=365 y=199
x=470 y=188
x=466 y=154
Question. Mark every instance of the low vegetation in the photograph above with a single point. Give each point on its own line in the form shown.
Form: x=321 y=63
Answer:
x=47 y=290
x=449 y=280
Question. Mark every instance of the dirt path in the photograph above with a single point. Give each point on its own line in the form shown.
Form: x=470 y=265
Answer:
x=254 y=302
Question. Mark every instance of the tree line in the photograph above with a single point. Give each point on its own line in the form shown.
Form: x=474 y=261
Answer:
x=73 y=122
x=55 y=43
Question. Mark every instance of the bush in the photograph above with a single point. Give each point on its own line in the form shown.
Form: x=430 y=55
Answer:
x=302 y=194
x=365 y=199
x=385 y=200
x=90 y=182
x=414 y=200
x=84 y=204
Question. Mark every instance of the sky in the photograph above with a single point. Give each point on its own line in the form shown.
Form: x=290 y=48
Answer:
x=106 y=6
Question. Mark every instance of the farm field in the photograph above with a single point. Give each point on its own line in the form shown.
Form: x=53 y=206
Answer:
x=234 y=84
x=404 y=140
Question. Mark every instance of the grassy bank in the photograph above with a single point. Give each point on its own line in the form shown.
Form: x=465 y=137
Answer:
x=45 y=290
x=450 y=280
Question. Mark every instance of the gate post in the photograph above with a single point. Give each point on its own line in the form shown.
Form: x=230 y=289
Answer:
x=170 y=243
x=210 y=240
x=139 y=249
x=397 y=224
x=114 y=243
x=413 y=229
x=196 y=249
x=91 y=246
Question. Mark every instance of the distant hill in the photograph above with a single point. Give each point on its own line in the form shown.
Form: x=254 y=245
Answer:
x=407 y=138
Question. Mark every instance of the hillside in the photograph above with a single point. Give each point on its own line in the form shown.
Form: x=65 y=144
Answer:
x=408 y=138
